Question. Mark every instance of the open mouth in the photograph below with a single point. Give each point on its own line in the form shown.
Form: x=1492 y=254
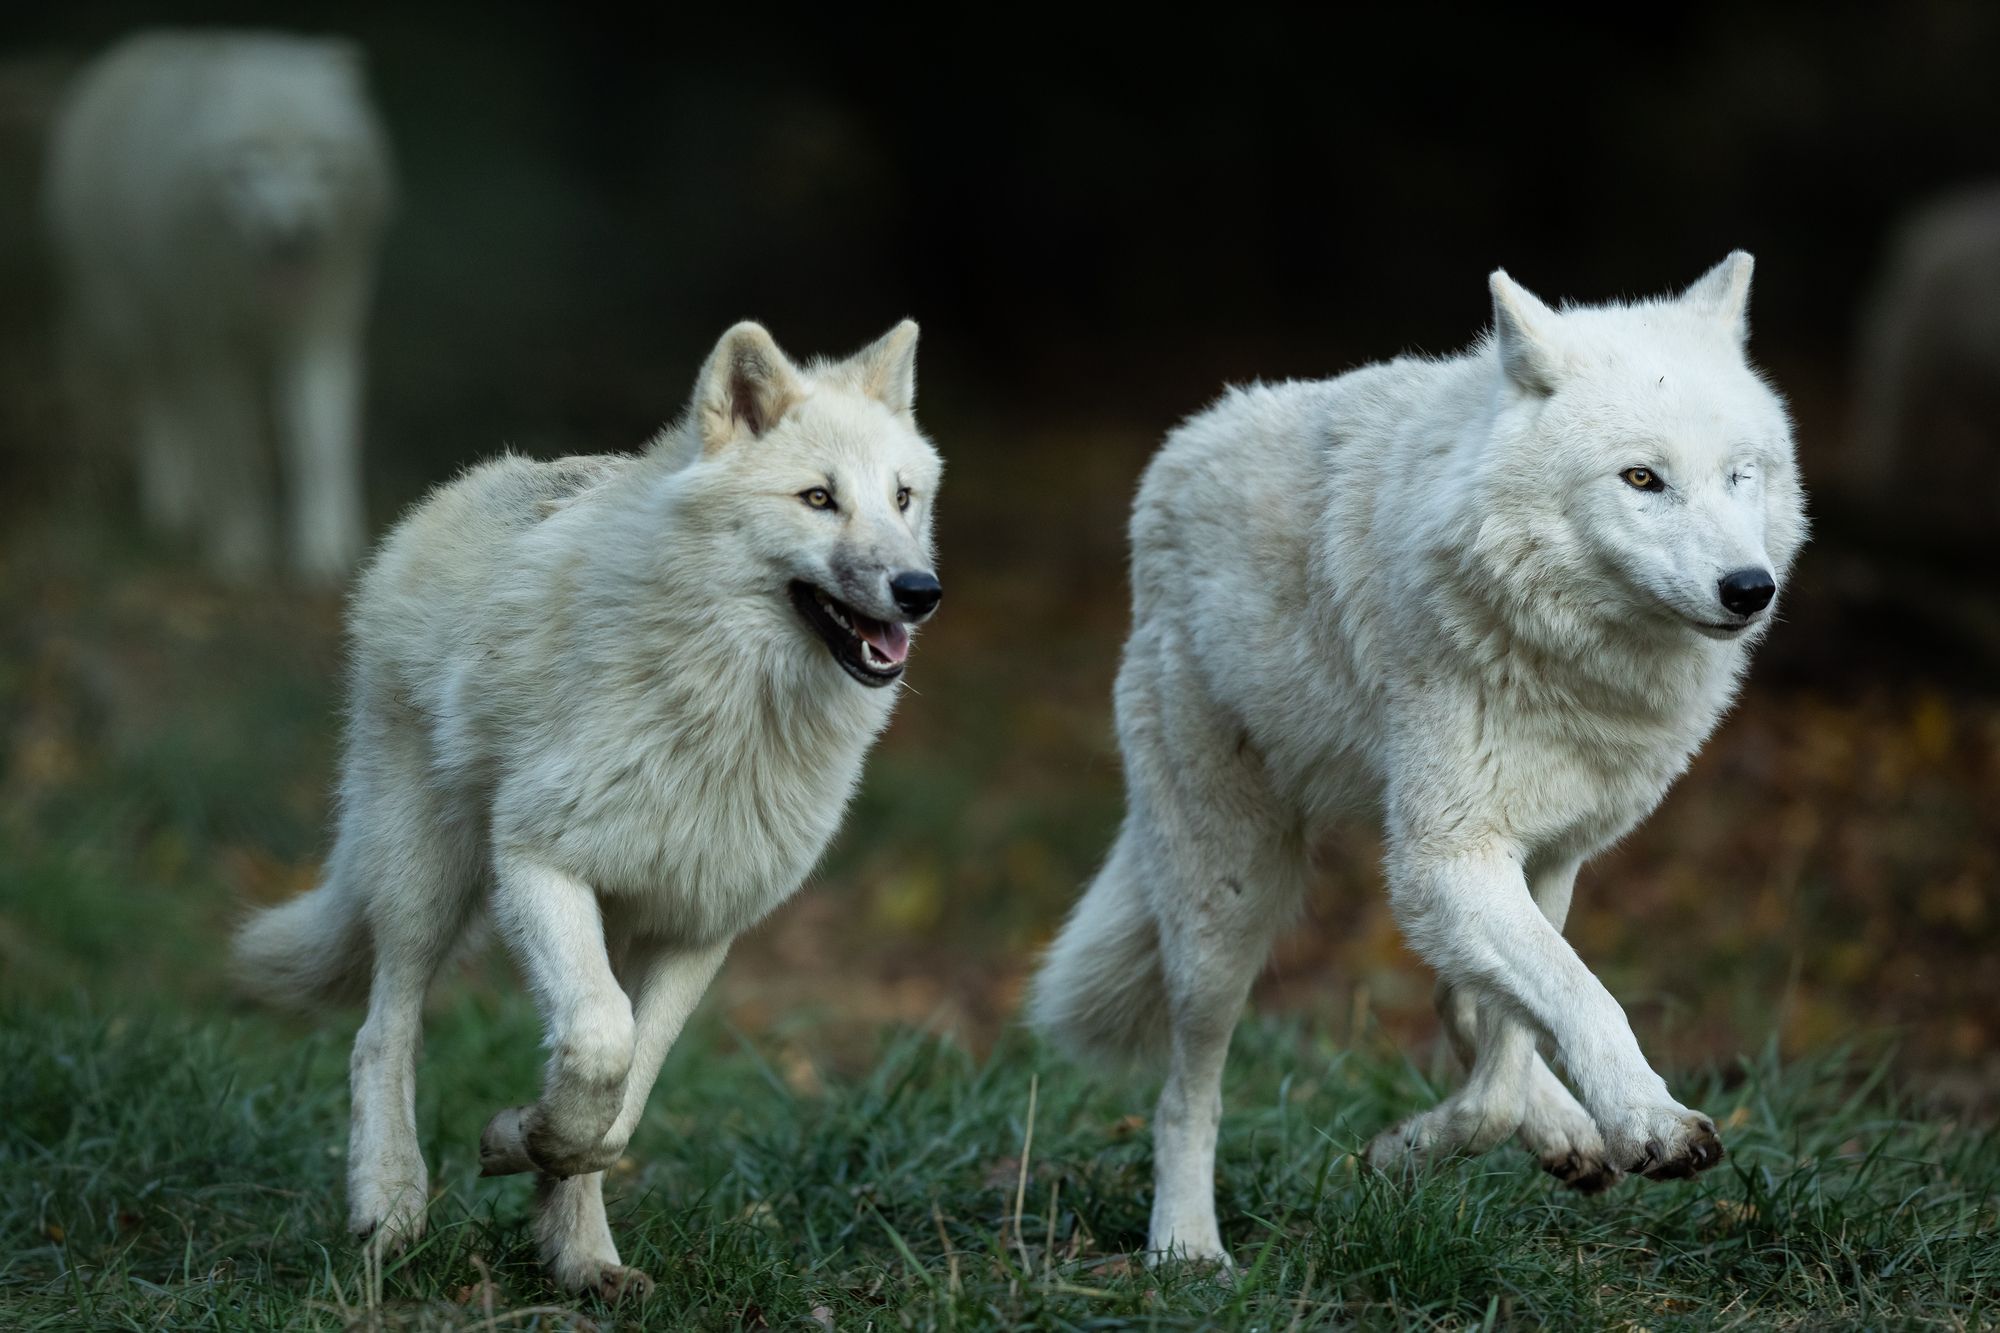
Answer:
x=872 y=651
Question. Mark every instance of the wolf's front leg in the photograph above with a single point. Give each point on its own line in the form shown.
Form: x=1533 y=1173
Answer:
x=1508 y=1083
x=1509 y=1088
x=551 y=922
x=220 y=419
x=1464 y=904
x=570 y=1226
x=574 y=1238
x=319 y=418
x=664 y=985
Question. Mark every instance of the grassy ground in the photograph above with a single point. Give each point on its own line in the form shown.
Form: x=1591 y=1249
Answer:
x=162 y=1173
x=840 y=1139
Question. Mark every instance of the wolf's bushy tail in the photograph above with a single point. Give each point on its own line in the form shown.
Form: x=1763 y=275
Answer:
x=1100 y=993
x=307 y=953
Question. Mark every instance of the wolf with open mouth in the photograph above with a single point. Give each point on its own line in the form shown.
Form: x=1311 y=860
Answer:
x=618 y=704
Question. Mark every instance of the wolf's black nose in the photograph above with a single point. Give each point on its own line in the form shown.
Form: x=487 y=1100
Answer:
x=1747 y=591
x=916 y=591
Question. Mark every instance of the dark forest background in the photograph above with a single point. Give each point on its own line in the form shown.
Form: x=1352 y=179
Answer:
x=1098 y=223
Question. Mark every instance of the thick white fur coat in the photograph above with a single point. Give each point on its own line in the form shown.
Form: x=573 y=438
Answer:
x=590 y=703
x=1435 y=594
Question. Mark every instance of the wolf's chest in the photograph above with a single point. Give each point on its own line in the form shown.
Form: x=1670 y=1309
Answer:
x=704 y=834
x=1579 y=784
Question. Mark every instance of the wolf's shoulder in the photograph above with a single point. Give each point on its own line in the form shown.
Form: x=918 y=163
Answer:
x=510 y=489
x=474 y=515
x=1308 y=416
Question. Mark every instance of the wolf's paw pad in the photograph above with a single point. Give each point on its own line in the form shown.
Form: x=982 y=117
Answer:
x=1690 y=1147
x=1584 y=1172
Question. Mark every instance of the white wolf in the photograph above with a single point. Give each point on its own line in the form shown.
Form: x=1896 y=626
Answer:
x=1494 y=601
x=621 y=702
x=1928 y=373
x=215 y=202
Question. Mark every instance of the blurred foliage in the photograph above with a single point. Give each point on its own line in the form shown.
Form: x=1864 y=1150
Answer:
x=1105 y=227
x=1824 y=868
x=1096 y=238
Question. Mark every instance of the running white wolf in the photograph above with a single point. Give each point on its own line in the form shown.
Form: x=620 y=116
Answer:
x=620 y=703
x=1495 y=602
x=216 y=200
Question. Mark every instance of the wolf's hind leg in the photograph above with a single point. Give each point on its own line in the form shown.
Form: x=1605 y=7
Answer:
x=1216 y=921
x=418 y=881
x=552 y=923
x=169 y=473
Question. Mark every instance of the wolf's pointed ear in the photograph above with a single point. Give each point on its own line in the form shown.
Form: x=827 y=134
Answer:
x=1524 y=334
x=886 y=369
x=1723 y=293
x=745 y=389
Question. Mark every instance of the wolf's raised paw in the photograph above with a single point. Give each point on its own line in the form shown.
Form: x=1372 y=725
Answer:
x=1679 y=1157
x=512 y=1144
x=1663 y=1142
x=503 y=1149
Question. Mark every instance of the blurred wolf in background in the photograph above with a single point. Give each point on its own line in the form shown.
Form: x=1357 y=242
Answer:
x=1495 y=602
x=215 y=201
x=619 y=703
x=1928 y=378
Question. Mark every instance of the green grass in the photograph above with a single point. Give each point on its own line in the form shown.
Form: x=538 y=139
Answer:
x=167 y=1162
x=158 y=1172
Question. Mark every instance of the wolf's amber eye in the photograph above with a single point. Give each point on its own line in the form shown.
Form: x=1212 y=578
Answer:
x=902 y=497
x=1643 y=478
x=819 y=497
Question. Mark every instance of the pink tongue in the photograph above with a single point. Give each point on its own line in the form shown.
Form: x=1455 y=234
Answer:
x=892 y=641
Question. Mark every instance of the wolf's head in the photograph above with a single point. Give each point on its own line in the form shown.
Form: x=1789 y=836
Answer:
x=297 y=161
x=813 y=486
x=1656 y=463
